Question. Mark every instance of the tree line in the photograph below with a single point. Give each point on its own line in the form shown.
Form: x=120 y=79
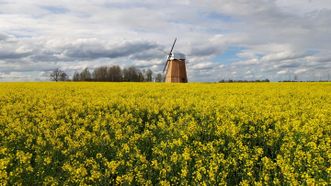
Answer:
x=243 y=81
x=109 y=74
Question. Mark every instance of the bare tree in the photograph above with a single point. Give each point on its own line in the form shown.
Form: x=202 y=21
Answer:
x=149 y=75
x=159 y=78
x=100 y=74
x=64 y=77
x=58 y=75
x=85 y=75
x=115 y=73
x=131 y=74
x=76 y=77
x=140 y=76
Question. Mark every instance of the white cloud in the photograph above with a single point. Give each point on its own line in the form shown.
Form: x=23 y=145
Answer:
x=300 y=71
x=272 y=36
x=282 y=72
x=203 y=66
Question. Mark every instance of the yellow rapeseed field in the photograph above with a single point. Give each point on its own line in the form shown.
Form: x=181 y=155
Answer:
x=165 y=134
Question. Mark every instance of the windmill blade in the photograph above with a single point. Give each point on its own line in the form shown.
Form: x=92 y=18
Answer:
x=172 y=48
x=169 y=55
x=165 y=66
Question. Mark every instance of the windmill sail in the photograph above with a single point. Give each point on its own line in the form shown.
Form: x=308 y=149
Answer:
x=175 y=67
x=169 y=55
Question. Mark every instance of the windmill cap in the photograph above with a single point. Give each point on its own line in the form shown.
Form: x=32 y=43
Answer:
x=177 y=55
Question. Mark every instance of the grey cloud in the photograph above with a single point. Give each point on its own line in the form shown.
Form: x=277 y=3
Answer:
x=46 y=57
x=142 y=66
x=283 y=57
x=3 y=37
x=95 y=51
x=204 y=51
x=149 y=54
x=203 y=66
x=294 y=25
x=25 y=67
x=326 y=60
x=322 y=59
x=320 y=67
x=290 y=65
x=13 y=55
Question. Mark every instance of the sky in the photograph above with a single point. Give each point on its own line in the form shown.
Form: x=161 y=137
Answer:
x=222 y=39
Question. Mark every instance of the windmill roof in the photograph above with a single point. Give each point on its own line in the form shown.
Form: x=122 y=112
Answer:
x=177 y=55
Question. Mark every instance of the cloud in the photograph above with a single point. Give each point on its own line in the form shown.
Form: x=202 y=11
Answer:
x=269 y=36
x=149 y=54
x=3 y=37
x=282 y=72
x=95 y=50
x=11 y=49
x=300 y=71
x=325 y=58
x=289 y=65
x=12 y=55
x=205 y=51
x=55 y=9
x=203 y=66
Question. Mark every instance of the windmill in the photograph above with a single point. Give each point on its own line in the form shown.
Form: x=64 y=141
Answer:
x=175 y=67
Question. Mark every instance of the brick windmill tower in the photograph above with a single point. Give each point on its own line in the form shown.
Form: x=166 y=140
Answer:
x=175 y=67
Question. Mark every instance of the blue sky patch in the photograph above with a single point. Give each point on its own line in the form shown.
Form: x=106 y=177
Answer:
x=229 y=56
x=55 y=9
x=219 y=17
